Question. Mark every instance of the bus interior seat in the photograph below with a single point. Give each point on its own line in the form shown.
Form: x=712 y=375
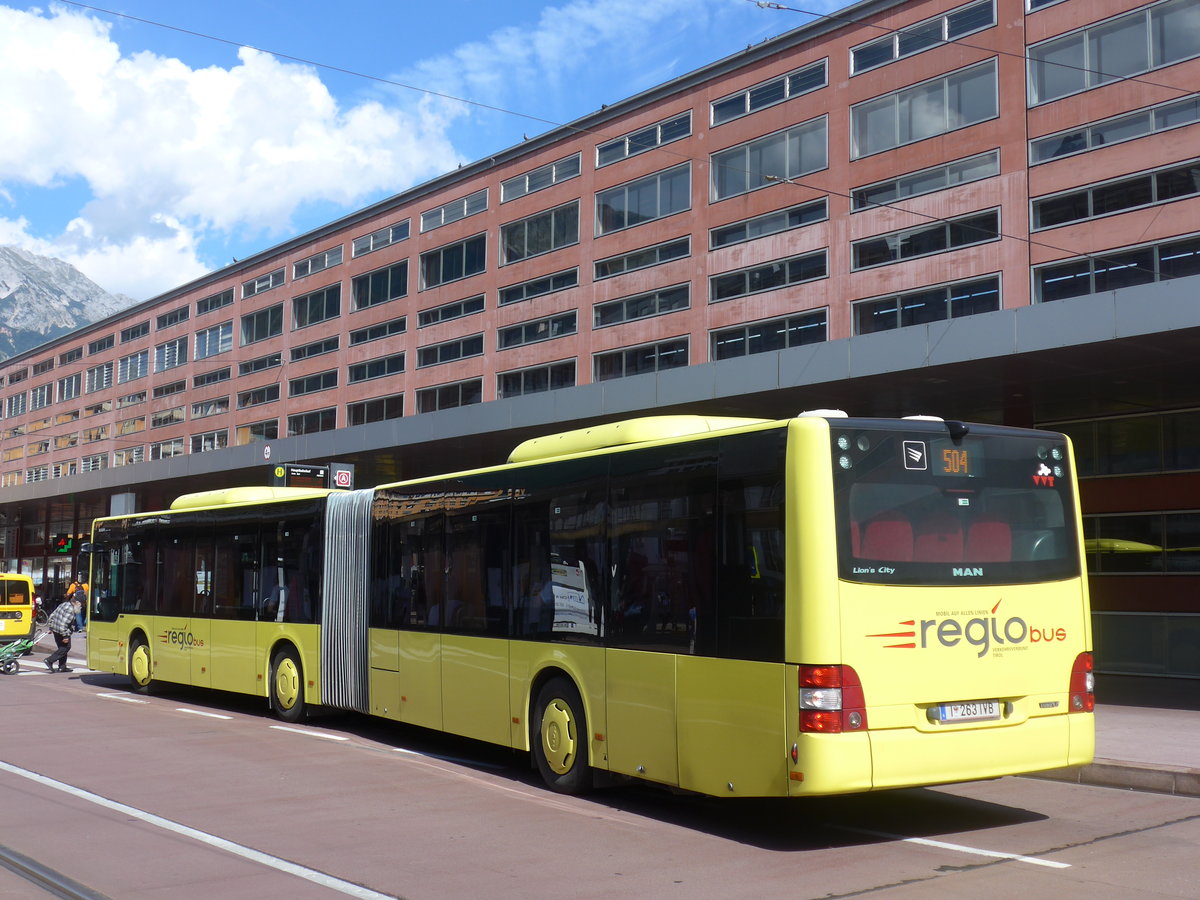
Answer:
x=889 y=537
x=989 y=540
x=939 y=538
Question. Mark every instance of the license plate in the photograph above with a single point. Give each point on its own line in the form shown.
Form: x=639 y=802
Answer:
x=972 y=711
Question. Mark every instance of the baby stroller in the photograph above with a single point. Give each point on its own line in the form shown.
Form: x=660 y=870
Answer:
x=9 y=653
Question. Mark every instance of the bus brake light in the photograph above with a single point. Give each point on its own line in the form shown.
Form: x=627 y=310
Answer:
x=831 y=700
x=1083 y=684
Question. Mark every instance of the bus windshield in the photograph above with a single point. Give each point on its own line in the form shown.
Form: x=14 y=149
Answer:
x=994 y=506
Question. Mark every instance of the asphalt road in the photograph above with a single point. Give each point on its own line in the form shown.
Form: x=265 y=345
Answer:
x=187 y=794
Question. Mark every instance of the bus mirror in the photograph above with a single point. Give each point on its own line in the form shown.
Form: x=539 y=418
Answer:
x=88 y=547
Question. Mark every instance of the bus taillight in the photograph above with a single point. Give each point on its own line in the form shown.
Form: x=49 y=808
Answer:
x=1083 y=684
x=831 y=700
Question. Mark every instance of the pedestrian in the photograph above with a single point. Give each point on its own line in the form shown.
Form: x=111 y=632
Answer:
x=81 y=594
x=62 y=623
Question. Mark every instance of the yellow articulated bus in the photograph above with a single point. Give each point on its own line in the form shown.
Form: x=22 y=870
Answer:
x=734 y=607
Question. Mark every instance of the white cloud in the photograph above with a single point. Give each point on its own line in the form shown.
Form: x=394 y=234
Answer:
x=172 y=154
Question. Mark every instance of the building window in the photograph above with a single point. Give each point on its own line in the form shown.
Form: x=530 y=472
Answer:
x=1149 y=189
x=174 y=317
x=18 y=376
x=1031 y=5
x=1130 y=44
x=166 y=417
x=664 y=132
x=547 y=284
x=461 y=259
x=93 y=463
x=769 y=93
x=317 y=263
x=133 y=332
x=98 y=378
x=216 y=301
x=376 y=368
x=1112 y=269
x=1151 y=120
x=380 y=286
x=133 y=366
x=257 y=432
x=642 y=306
x=135 y=425
x=536 y=380
x=378 y=332
x=37 y=473
x=919 y=307
x=211 y=341
x=258 y=396
x=774 y=334
x=16 y=405
x=99 y=346
x=769 y=160
x=923 y=36
x=658 y=357
x=541 y=233
x=213 y=407
x=933 y=107
x=319 y=306
x=644 y=200
x=767 y=277
x=312 y=422
x=643 y=259
x=40 y=397
x=450 y=351
x=43 y=367
x=377 y=240
x=170 y=354
x=69 y=388
x=210 y=440
x=448 y=311
x=270 y=361
x=262 y=283
x=540 y=178
x=926 y=181
x=131 y=399
x=266 y=323
x=128 y=456
x=316 y=348
x=377 y=410
x=1131 y=445
x=167 y=449
x=37 y=448
x=214 y=377
x=66 y=441
x=64 y=469
x=311 y=384
x=449 y=396
x=75 y=353
x=769 y=223
x=455 y=210
x=926 y=240
x=537 y=330
x=166 y=390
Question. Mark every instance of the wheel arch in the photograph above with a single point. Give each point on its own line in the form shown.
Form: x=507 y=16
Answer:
x=544 y=675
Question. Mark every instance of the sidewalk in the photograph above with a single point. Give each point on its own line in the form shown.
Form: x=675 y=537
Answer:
x=1147 y=736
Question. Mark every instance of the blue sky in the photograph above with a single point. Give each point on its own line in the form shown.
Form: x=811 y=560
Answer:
x=147 y=156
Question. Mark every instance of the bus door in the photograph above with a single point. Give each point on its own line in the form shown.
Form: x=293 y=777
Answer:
x=179 y=646
x=231 y=582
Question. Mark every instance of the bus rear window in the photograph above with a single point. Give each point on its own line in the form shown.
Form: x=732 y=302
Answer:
x=916 y=507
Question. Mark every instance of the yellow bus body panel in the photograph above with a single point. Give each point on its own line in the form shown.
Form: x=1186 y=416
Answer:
x=640 y=693
x=384 y=686
x=530 y=662
x=475 y=693
x=733 y=726
x=233 y=654
x=421 y=678
x=18 y=589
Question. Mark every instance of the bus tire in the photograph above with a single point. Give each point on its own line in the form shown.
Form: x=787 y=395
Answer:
x=141 y=665
x=560 y=738
x=287 y=686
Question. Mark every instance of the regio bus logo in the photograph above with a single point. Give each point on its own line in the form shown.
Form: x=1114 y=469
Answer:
x=983 y=631
x=177 y=638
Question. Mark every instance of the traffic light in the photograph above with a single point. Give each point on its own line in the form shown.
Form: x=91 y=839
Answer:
x=63 y=543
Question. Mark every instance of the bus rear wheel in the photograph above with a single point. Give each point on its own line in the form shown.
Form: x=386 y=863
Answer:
x=560 y=740
x=287 y=686
x=140 y=666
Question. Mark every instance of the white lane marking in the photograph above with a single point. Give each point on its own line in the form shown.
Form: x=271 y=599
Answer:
x=117 y=695
x=200 y=712
x=274 y=862
x=961 y=848
x=305 y=731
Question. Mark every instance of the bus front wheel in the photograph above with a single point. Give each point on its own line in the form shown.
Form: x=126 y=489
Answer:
x=560 y=739
x=141 y=666
x=287 y=686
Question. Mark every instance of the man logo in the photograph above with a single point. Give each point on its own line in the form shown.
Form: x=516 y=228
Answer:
x=914 y=456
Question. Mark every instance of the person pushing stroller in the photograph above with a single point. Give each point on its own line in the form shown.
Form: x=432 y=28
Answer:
x=62 y=623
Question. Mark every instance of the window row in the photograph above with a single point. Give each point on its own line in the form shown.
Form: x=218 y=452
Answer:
x=1123 y=194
